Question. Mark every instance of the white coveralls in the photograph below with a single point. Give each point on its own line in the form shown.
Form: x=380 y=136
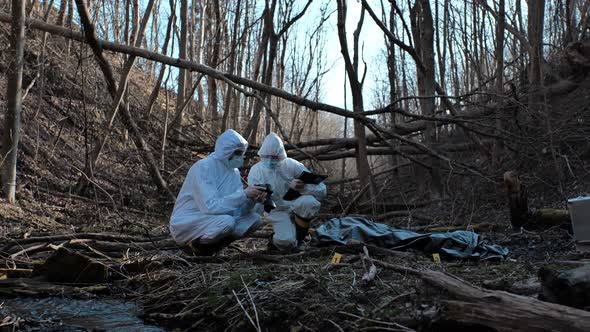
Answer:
x=306 y=206
x=212 y=203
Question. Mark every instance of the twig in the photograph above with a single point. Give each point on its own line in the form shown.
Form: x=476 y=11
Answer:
x=246 y=312
x=251 y=301
x=403 y=328
x=336 y=325
x=355 y=199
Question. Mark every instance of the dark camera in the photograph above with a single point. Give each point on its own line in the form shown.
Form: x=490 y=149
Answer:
x=269 y=205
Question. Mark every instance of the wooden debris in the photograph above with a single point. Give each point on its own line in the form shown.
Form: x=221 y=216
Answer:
x=499 y=310
x=568 y=287
x=67 y=266
x=370 y=268
x=520 y=213
x=517 y=199
x=24 y=286
x=15 y=273
x=92 y=236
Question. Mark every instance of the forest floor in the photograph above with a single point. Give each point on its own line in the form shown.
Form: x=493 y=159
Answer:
x=245 y=286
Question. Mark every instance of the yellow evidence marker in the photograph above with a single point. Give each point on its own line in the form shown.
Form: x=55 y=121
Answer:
x=436 y=258
x=336 y=258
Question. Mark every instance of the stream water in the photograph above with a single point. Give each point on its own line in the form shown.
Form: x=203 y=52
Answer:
x=64 y=314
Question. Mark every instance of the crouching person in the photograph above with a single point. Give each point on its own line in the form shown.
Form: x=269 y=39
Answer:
x=213 y=209
x=290 y=220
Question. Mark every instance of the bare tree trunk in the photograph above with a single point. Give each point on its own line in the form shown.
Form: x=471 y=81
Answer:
x=14 y=103
x=454 y=66
x=392 y=76
x=229 y=93
x=536 y=12
x=176 y=124
x=41 y=62
x=154 y=41
x=266 y=41
x=213 y=61
x=269 y=34
x=422 y=26
x=239 y=110
x=362 y=163
x=83 y=181
x=499 y=74
x=62 y=12
x=126 y=117
x=191 y=47
x=135 y=17
x=30 y=6
x=156 y=91
x=569 y=26
x=127 y=22
x=199 y=54
x=69 y=22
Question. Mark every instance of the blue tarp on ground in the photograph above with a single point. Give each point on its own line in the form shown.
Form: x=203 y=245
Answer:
x=457 y=244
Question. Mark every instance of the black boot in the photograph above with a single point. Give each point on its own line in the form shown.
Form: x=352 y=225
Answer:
x=301 y=228
x=270 y=246
x=209 y=249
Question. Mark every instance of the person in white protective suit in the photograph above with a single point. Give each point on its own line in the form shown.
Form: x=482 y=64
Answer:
x=290 y=219
x=213 y=208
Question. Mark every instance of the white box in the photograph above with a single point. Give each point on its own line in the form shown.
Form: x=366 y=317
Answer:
x=579 y=208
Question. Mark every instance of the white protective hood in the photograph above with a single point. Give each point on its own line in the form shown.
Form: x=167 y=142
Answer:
x=227 y=143
x=280 y=178
x=273 y=146
x=211 y=189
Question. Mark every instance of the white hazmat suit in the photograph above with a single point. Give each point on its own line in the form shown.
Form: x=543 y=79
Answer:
x=279 y=177
x=212 y=203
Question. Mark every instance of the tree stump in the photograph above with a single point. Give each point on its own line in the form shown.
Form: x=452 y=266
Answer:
x=517 y=200
x=520 y=213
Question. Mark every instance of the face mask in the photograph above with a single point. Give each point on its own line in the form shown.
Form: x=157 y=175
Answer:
x=236 y=162
x=271 y=163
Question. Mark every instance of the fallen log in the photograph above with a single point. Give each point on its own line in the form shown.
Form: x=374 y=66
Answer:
x=569 y=287
x=333 y=152
x=114 y=246
x=499 y=310
x=73 y=236
x=32 y=287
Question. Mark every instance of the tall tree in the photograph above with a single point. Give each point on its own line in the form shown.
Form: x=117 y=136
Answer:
x=269 y=42
x=14 y=103
x=215 y=41
x=356 y=89
x=118 y=99
x=182 y=53
x=499 y=56
x=423 y=31
x=126 y=117
x=536 y=13
x=234 y=42
x=62 y=12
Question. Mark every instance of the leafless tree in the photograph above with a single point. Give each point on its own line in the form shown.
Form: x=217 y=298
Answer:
x=12 y=119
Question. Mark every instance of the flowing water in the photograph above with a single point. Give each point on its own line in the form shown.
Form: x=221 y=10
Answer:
x=64 y=314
